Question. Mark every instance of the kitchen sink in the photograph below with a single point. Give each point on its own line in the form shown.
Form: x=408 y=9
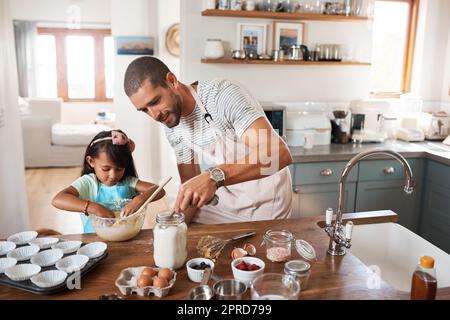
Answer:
x=392 y=251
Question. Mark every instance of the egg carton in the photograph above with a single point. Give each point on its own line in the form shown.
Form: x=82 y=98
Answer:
x=127 y=283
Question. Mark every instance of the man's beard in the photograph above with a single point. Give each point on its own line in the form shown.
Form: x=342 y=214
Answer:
x=176 y=112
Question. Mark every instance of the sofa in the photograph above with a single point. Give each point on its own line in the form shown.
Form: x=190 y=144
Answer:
x=49 y=143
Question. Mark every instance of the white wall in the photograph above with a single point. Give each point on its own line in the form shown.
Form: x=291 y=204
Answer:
x=14 y=210
x=153 y=158
x=96 y=11
x=272 y=82
x=432 y=54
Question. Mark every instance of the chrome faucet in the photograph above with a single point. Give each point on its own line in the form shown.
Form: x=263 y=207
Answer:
x=339 y=237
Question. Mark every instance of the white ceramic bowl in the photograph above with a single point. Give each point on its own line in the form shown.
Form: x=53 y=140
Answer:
x=6 y=246
x=23 y=237
x=48 y=279
x=44 y=243
x=21 y=272
x=247 y=276
x=23 y=253
x=68 y=246
x=47 y=258
x=93 y=250
x=6 y=263
x=194 y=274
x=72 y=263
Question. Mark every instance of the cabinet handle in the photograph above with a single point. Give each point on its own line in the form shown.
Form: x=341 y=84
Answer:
x=326 y=172
x=389 y=170
x=296 y=190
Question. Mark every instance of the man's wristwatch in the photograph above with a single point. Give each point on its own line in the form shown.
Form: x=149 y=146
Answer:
x=217 y=175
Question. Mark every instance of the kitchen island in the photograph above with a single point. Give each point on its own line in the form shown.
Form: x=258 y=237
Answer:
x=331 y=277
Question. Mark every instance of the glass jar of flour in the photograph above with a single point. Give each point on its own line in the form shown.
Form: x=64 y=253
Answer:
x=170 y=240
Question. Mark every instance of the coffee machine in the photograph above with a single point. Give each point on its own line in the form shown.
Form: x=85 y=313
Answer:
x=367 y=120
x=340 y=126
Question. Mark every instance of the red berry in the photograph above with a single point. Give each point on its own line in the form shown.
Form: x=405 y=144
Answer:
x=254 y=267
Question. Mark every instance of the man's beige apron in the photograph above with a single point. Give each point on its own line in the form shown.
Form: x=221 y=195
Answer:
x=263 y=199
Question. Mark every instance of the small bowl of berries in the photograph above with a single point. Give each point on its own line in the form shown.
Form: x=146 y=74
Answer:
x=246 y=269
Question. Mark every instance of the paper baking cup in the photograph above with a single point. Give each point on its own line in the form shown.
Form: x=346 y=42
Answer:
x=44 y=243
x=72 y=263
x=6 y=246
x=23 y=237
x=6 y=263
x=21 y=272
x=48 y=279
x=93 y=250
x=68 y=246
x=23 y=253
x=47 y=258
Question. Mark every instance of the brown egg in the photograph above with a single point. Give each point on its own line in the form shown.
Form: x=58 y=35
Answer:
x=149 y=271
x=160 y=282
x=165 y=273
x=144 y=281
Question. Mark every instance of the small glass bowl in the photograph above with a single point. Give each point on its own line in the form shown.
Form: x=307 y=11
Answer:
x=118 y=229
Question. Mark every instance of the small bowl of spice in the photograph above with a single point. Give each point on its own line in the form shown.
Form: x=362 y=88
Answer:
x=195 y=268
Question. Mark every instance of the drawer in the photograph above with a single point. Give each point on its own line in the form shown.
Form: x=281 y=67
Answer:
x=376 y=170
x=321 y=172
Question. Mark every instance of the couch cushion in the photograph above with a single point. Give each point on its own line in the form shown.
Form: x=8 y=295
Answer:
x=75 y=134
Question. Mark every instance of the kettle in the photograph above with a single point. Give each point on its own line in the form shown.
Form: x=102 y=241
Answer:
x=298 y=52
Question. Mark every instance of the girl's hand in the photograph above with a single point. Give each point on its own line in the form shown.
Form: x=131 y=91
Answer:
x=101 y=211
x=132 y=207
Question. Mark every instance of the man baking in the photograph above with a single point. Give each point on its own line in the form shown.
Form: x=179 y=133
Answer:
x=219 y=126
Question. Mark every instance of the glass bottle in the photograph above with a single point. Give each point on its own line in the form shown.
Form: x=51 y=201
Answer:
x=424 y=282
x=170 y=240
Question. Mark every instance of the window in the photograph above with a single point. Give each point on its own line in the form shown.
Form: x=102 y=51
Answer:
x=75 y=64
x=394 y=31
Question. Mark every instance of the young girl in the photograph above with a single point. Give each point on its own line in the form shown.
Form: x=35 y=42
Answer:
x=108 y=174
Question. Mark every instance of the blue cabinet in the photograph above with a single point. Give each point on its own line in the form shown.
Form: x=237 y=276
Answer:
x=435 y=215
x=316 y=188
x=380 y=187
x=371 y=185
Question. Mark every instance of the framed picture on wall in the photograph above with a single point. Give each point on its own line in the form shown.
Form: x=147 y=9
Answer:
x=135 y=45
x=286 y=34
x=252 y=36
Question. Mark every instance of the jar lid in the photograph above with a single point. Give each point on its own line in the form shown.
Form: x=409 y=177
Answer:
x=296 y=267
x=280 y=236
x=305 y=250
x=166 y=217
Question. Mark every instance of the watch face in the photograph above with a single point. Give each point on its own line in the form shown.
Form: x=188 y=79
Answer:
x=217 y=175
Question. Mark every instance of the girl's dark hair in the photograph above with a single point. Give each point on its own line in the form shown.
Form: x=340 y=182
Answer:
x=120 y=155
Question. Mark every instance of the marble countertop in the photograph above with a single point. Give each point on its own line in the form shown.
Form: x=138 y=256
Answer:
x=436 y=151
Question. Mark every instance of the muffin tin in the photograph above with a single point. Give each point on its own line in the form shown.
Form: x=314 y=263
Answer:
x=127 y=283
x=39 y=273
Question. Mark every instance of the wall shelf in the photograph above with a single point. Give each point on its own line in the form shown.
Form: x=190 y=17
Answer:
x=287 y=62
x=281 y=15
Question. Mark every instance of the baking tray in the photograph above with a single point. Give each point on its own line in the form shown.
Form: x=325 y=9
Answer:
x=29 y=286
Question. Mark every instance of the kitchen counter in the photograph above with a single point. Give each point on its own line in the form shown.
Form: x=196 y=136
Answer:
x=331 y=277
x=436 y=151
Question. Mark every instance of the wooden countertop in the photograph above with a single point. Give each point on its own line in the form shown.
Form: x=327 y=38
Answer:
x=331 y=277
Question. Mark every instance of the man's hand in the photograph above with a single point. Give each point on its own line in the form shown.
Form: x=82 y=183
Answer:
x=195 y=192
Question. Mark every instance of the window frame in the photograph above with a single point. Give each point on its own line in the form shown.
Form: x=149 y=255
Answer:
x=61 y=63
x=408 y=55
